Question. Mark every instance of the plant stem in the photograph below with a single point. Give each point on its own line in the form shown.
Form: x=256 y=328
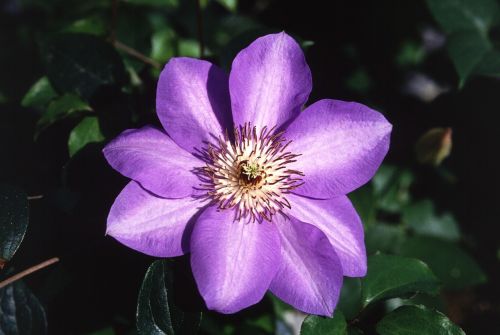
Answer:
x=134 y=53
x=28 y=271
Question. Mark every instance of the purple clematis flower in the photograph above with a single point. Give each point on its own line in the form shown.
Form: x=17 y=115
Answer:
x=248 y=184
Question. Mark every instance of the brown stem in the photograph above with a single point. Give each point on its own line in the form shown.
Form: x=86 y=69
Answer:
x=134 y=53
x=28 y=271
x=199 y=18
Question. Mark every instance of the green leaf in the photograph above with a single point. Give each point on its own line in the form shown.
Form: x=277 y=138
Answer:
x=163 y=45
x=431 y=301
x=158 y=3
x=468 y=23
x=457 y=15
x=39 y=95
x=62 y=107
x=87 y=131
x=490 y=64
x=230 y=5
x=421 y=218
x=417 y=320
x=156 y=312
x=350 y=298
x=452 y=265
x=20 y=311
x=395 y=276
x=467 y=50
x=384 y=238
x=81 y=64
x=314 y=324
x=391 y=186
x=13 y=221
x=364 y=201
x=93 y=25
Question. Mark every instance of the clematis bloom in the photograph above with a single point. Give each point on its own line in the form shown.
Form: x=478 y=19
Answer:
x=247 y=183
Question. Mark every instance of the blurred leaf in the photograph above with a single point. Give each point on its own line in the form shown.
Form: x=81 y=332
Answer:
x=163 y=45
x=394 y=276
x=314 y=324
x=39 y=95
x=13 y=221
x=60 y=108
x=391 y=187
x=264 y=323
x=453 y=266
x=279 y=306
x=350 y=298
x=410 y=54
x=93 y=25
x=467 y=50
x=417 y=320
x=468 y=23
x=490 y=64
x=87 y=131
x=363 y=200
x=158 y=3
x=359 y=81
x=81 y=64
x=156 y=312
x=434 y=146
x=190 y=48
x=457 y=15
x=20 y=311
x=384 y=237
x=230 y=5
x=421 y=218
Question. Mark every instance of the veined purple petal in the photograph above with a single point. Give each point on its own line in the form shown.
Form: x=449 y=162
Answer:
x=269 y=82
x=342 y=145
x=338 y=220
x=151 y=158
x=155 y=226
x=192 y=102
x=233 y=262
x=310 y=275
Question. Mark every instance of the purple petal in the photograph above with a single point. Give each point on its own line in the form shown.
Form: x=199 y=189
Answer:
x=152 y=225
x=310 y=274
x=342 y=145
x=151 y=158
x=269 y=82
x=338 y=220
x=233 y=262
x=192 y=102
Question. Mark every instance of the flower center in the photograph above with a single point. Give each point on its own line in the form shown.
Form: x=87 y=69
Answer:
x=250 y=174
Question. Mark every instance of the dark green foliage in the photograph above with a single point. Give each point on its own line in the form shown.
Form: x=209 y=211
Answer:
x=468 y=23
x=394 y=276
x=417 y=320
x=82 y=64
x=157 y=313
x=20 y=311
x=13 y=220
x=328 y=326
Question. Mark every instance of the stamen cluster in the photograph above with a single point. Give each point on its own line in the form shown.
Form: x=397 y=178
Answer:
x=250 y=173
